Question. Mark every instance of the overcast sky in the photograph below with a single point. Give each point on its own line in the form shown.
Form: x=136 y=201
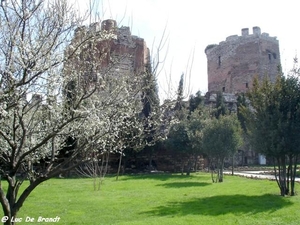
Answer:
x=191 y=25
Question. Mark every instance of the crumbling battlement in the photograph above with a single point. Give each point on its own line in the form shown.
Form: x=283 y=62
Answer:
x=122 y=53
x=232 y=64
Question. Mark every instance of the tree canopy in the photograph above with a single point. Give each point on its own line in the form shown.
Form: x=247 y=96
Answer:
x=273 y=124
x=57 y=108
x=221 y=139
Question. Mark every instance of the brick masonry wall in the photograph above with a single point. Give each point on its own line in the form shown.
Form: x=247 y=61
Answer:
x=126 y=53
x=165 y=160
x=122 y=54
x=232 y=64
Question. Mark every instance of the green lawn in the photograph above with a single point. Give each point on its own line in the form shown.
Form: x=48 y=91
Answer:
x=163 y=199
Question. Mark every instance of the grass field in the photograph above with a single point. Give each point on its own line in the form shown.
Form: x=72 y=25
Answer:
x=162 y=199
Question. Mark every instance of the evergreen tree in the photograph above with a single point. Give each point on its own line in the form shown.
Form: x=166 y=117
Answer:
x=150 y=111
x=221 y=139
x=220 y=109
x=273 y=124
x=185 y=136
x=150 y=97
x=241 y=102
x=178 y=141
x=178 y=105
x=195 y=101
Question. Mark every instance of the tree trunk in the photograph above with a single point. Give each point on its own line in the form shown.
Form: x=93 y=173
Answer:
x=211 y=168
x=281 y=179
x=11 y=219
x=10 y=204
x=8 y=201
x=95 y=172
x=195 y=163
x=182 y=167
x=294 y=170
x=221 y=170
x=120 y=163
x=103 y=168
x=285 y=188
x=212 y=176
x=150 y=159
x=276 y=171
x=289 y=174
x=188 y=169
x=232 y=165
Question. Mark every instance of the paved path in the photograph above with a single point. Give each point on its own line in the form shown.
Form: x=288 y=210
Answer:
x=255 y=175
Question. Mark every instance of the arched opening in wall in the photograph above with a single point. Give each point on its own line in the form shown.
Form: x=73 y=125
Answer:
x=247 y=85
x=270 y=56
x=223 y=89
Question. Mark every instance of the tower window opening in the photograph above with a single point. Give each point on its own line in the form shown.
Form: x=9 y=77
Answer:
x=274 y=55
x=219 y=61
x=247 y=86
x=270 y=56
x=223 y=89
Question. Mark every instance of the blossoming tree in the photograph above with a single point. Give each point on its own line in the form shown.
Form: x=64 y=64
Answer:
x=51 y=118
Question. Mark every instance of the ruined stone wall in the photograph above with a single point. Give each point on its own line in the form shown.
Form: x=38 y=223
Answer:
x=233 y=63
x=125 y=53
x=162 y=159
x=108 y=49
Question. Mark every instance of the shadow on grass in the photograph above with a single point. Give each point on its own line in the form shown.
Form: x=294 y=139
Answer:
x=161 y=177
x=223 y=204
x=184 y=184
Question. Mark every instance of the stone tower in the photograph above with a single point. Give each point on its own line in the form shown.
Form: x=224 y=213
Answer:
x=125 y=52
x=232 y=64
x=107 y=49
